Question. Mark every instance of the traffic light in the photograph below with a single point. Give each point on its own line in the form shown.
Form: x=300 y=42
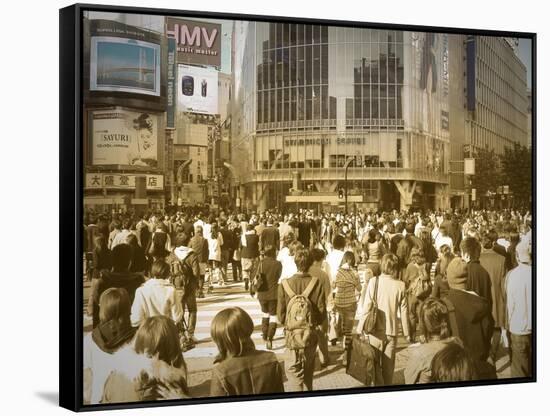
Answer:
x=340 y=193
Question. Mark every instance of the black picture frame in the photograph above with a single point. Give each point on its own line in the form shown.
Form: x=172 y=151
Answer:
x=71 y=121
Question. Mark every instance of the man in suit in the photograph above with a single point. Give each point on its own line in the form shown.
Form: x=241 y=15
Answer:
x=495 y=265
x=270 y=236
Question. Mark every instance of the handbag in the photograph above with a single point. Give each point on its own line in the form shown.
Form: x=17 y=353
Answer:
x=372 y=315
x=365 y=362
x=259 y=283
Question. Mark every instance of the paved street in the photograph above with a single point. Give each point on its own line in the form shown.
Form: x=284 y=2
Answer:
x=200 y=359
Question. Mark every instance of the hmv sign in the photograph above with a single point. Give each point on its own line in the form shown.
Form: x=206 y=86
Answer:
x=196 y=42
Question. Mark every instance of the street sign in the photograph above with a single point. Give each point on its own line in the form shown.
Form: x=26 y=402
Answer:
x=505 y=189
x=469 y=166
x=473 y=194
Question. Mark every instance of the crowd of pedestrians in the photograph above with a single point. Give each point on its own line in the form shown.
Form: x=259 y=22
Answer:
x=456 y=285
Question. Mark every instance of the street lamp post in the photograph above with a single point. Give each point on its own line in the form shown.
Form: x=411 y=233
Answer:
x=346 y=166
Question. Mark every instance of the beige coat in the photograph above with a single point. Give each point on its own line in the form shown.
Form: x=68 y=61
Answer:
x=391 y=298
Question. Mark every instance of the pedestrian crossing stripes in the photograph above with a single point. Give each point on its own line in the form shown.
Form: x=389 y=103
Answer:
x=227 y=296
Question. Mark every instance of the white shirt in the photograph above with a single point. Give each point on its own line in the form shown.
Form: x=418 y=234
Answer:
x=504 y=243
x=101 y=364
x=120 y=238
x=518 y=299
x=287 y=261
x=155 y=297
x=333 y=259
x=441 y=240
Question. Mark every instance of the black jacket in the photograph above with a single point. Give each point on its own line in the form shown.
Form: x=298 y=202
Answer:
x=479 y=281
x=252 y=249
x=228 y=239
x=475 y=323
x=272 y=269
x=129 y=281
x=270 y=237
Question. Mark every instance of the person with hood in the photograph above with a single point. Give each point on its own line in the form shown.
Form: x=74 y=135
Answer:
x=472 y=316
x=154 y=369
x=186 y=274
x=113 y=333
x=119 y=276
x=156 y=297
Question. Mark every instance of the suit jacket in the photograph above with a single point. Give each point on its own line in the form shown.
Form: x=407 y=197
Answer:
x=474 y=321
x=495 y=265
x=270 y=237
x=228 y=239
x=252 y=248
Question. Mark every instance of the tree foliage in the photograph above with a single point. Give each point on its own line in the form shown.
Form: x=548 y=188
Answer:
x=487 y=176
x=516 y=168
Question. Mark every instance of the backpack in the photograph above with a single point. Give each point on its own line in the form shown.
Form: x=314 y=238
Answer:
x=181 y=273
x=299 y=331
x=421 y=287
x=404 y=248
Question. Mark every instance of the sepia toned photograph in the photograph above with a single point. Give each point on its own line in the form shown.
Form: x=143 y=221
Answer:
x=273 y=207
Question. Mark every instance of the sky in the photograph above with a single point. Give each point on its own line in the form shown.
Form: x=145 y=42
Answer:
x=525 y=49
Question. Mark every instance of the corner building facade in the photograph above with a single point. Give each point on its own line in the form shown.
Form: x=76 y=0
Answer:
x=309 y=98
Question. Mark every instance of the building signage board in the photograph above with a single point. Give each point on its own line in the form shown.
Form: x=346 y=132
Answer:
x=171 y=85
x=197 y=89
x=469 y=166
x=197 y=43
x=122 y=137
x=124 y=58
x=122 y=181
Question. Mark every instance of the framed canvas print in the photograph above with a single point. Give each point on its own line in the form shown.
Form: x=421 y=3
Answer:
x=271 y=207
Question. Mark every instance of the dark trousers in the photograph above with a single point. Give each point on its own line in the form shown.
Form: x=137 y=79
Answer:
x=189 y=302
x=299 y=368
x=322 y=336
x=522 y=359
x=237 y=270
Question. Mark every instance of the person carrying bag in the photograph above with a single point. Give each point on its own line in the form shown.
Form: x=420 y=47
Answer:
x=365 y=361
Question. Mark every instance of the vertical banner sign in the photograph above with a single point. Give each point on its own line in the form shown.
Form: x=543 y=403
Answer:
x=471 y=72
x=171 y=87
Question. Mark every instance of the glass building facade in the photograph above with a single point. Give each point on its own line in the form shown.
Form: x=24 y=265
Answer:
x=309 y=98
